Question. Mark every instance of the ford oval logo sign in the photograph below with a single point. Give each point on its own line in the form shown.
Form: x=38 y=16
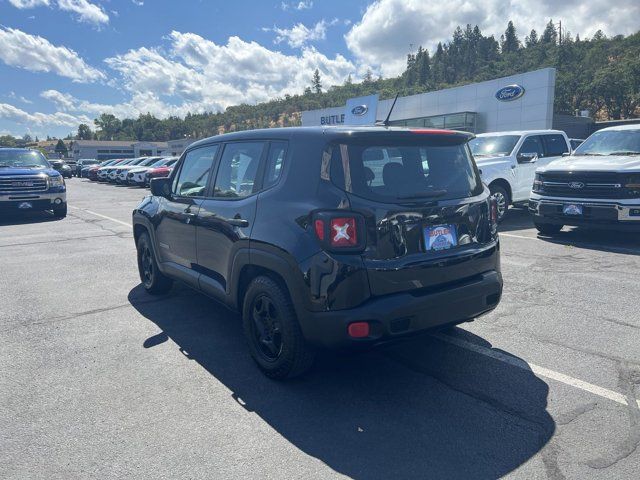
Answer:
x=576 y=185
x=510 y=93
x=360 y=110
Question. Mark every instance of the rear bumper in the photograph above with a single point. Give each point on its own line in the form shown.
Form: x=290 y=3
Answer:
x=395 y=316
x=603 y=214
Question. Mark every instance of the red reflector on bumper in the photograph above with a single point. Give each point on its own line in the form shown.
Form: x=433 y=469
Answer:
x=358 y=329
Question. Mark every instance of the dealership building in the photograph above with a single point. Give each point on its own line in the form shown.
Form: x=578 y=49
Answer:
x=107 y=149
x=518 y=102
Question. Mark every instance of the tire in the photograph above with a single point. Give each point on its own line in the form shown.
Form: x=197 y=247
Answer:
x=502 y=199
x=153 y=280
x=61 y=211
x=548 y=228
x=272 y=331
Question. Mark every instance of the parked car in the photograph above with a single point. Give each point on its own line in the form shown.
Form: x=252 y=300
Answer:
x=158 y=172
x=575 y=143
x=121 y=177
x=62 y=167
x=137 y=175
x=598 y=186
x=112 y=177
x=508 y=160
x=104 y=172
x=91 y=171
x=83 y=162
x=28 y=182
x=325 y=236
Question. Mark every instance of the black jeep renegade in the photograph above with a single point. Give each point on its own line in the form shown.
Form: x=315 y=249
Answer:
x=325 y=237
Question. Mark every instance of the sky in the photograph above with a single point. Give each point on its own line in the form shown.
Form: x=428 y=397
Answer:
x=64 y=62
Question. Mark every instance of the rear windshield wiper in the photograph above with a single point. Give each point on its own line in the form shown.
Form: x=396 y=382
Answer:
x=431 y=194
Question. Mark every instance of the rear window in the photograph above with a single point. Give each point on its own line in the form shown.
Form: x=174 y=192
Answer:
x=405 y=170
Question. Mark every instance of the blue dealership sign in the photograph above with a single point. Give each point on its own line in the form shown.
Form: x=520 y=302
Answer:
x=510 y=93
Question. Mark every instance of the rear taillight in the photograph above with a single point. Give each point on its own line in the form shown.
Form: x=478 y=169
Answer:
x=343 y=232
x=340 y=232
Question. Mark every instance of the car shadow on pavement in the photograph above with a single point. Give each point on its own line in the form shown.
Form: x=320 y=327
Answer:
x=600 y=240
x=420 y=409
x=27 y=218
x=517 y=218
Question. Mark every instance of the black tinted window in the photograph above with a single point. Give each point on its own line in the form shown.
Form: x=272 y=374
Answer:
x=275 y=159
x=194 y=172
x=555 y=145
x=532 y=144
x=402 y=170
x=238 y=169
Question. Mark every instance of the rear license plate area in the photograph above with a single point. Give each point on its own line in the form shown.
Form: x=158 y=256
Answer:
x=440 y=237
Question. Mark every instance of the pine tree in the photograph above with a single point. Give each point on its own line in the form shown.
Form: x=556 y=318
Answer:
x=550 y=34
x=423 y=64
x=316 y=82
x=532 y=39
x=509 y=42
x=368 y=76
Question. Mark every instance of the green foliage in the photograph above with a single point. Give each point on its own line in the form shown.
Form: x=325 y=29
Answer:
x=84 y=132
x=61 y=148
x=317 y=82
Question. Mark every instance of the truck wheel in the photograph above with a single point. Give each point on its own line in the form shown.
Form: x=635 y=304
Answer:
x=548 y=228
x=502 y=200
x=153 y=280
x=272 y=331
x=61 y=211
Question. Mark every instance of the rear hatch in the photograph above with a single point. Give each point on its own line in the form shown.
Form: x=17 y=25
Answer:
x=427 y=215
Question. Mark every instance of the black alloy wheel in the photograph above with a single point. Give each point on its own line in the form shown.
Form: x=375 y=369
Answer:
x=266 y=332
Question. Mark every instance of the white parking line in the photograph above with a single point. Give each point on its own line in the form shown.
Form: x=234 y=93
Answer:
x=103 y=216
x=516 y=236
x=545 y=372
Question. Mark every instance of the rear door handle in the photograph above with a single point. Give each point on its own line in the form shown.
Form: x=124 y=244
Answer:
x=238 y=222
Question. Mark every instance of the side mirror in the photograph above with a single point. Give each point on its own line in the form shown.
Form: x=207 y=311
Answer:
x=527 y=157
x=161 y=187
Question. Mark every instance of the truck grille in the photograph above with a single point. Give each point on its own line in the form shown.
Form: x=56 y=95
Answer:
x=587 y=185
x=23 y=183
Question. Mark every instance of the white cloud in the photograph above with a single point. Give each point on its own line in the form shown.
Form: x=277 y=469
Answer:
x=383 y=36
x=300 y=35
x=58 y=119
x=29 y=3
x=302 y=5
x=37 y=54
x=196 y=74
x=138 y=3
x=86 y=11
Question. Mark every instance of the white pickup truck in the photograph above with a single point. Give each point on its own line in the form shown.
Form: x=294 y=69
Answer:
x=508 y=161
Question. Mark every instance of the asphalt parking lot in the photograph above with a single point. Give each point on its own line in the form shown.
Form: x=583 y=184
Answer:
x=98 y=379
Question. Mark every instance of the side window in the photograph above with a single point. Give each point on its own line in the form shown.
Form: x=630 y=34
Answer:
x=532 y=144
x=238 y=169
x=191 y=180
x=275 y=160
x=555 y=145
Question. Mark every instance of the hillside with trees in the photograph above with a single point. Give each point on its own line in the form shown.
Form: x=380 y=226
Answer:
x=598 y=74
